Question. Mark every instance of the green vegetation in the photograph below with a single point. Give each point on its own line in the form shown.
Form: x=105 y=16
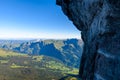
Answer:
x=37 y=58
x=57 y=43
x=4 y=54
x=4 y=61
x=71 y=78
x=16 y=66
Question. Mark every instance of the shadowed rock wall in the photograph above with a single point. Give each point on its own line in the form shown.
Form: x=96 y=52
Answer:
x=99 y=22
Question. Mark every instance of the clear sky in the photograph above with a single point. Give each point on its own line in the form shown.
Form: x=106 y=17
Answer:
x=20 y=19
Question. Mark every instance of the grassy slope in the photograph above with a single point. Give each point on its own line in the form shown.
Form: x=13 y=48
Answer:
x=15 y=66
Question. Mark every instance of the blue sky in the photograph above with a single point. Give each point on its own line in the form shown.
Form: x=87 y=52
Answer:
x=22 y=19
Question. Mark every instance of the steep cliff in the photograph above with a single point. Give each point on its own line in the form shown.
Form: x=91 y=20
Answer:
x=99 y=23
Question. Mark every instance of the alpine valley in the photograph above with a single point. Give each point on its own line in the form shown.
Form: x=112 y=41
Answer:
x=68 y=51
x=39 y=57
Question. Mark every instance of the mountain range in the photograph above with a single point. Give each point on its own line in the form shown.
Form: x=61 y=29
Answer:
x=67 y=51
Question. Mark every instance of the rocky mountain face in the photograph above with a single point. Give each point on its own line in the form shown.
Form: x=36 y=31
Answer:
x=68 y=51
x=99 y=22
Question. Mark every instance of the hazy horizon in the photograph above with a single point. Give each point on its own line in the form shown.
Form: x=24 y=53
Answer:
x=37 y=38
x=23 y=19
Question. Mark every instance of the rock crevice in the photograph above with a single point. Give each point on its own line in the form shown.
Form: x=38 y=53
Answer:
x=99 y=23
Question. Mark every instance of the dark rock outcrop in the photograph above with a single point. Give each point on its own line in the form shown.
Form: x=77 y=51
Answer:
x=99 y=23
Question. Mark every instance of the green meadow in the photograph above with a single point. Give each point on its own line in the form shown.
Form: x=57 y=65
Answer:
x=17 y=66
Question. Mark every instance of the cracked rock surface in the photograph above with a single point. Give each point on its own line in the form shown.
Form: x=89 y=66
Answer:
x=99 y=23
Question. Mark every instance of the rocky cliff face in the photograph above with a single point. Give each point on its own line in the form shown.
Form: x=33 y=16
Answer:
x=99 y=22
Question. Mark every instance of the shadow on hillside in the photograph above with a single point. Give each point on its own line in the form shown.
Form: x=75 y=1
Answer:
x=71 y=77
